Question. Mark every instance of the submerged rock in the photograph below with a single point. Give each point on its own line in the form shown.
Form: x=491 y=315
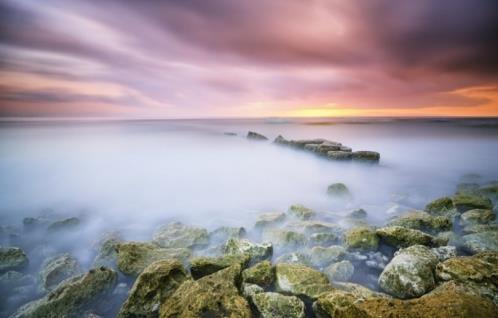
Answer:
x=72 y=297
x=301 y=212
x=340 y=271
x=465 y=202
x=399 y=236
x=269 y=219
x=275 y=305
x=133 y=257
x=284 y=239
x=156 y=283
x=222 y=234
x=477 y=228
x=366 y=156
x=421 y=220
x=323 y=256
x=262 y=274
x=56 y=269
x=257 y=252
x=216 y=295
x=312 y=227
x=362 y=237
x=410 y=272
x=477 y=216
x=249 y=290
x=255 y=136
x=12 y=258
x=441 y=206
x=300 y=280
x=294 y=258
x=64 y=225
x=338 y=190
x=178 y=235
x=481 y=242
x=203 y=266
x=340 y=155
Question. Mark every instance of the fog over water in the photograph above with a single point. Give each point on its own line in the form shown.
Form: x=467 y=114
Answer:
x=134 y=174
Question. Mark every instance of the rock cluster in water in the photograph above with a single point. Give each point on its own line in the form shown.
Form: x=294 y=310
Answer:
x=439 y=262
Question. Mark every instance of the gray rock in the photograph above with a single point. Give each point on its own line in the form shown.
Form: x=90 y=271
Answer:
x=257 y=252
x=301 y=212
x=444 y=252
x=399 y=236
x=248 y=290
x=338 y=190
x=12 y=258
x=481 y=242
x=56 y=269
x=255 y=136
x=323 y=256
x=340 y=271
x=300 y=280
x=269 y=220
x=477 y=216
x=275 y=305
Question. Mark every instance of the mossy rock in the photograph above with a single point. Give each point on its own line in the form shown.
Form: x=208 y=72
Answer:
x=134 y=257
x=275 y=305
x=323 y=256
x=477 y=228
x=480 y=268
x=301 y=212
x=477 y=216
x=257 y=252
x=269 y=219
x=360 y=292
x=398 y=236
x=322 y=239
x=338 y=190
x=312 y=227
x=363 y=238
x=481 y=242
x=73 y=296
x=58 y=268
x=341 y=271
x=106 y=250
x=338 y=304
x=178 y=235
x=203 y=266
x=284 y=239
x=262 y=274
x=294 y=258
x=64 y=225
x=223 y=233
x=215 y=295
x=366 y=156
x=440 y=206
x=155 y=284
x=12 y=258
x=420 y=220
x=410 y=272
x=465 y=202
x=300 y=280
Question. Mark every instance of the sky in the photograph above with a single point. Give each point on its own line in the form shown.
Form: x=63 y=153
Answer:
x=227 y=58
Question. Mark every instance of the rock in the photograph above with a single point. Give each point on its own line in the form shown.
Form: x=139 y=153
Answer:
x=215 y=295
x=467 y=188
x=155 y=284
x=447 y=238
x=269 y=219
x=420 y=220
x=262 y=274
x=338 y=304
x=203 y=266
x=311 y=147
x=481 y=242
x=490 y=191
x=340 y=155
x=357 y=214
x=12 y=258
x=477 y=216
x=34 y=224
x=275 y=305
x=465 y=202
x=410 y=272
x=72 y=297
x=345 y=149
x=257 y=252
x=13 y=279
x=222 y=234
x=248 y=290
x=300 y=280
x=301 y=212
x=64 y=225
x=133 y=257
x=294 y=258
x=477 y=228
x=312 y=227
x=284 y=239
x=398 y=236
x=255 y=136
x=444 y=252
x=56 y=269
x=323 y=256
x=178 y=235
x=338 y=190
x=484 y=290
x=363 y=238
x=358 y=291
x=229 y=133
x=340 y=271
x=322 y=239
x=106 y=250
x=281 y=140
x=366 y=156
x=440 y=206
x=480 y=268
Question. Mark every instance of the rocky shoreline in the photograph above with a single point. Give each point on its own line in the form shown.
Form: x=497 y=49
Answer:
x=441 y=261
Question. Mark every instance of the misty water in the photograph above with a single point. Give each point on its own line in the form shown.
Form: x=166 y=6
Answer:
x=133 y=176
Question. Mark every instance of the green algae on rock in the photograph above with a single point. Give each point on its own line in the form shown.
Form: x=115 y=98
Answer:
x=440 y=206
x=257 y=252
x=420 y=220
x=477 y=216
x=338 y=304
x=134 y=257
x=12 y=258
x=215 y=295
x=262 y=274
x=275 y=305
x=64 y=225
x=481 y=242
x=300 y=280
x=480 y=268
x=399 y=236
x=203 y=266
x=72 y=296
x=156 y=283
x=269 y=219
x=465 y=202
x=301 y=212
x=323 y=256
x=362 y=237
x=178 y=235
x=341 y=271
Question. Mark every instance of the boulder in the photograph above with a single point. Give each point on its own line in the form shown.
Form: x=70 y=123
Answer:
x=366 y=156
x=338 y=190
x=203 y=266
x=155 y=284
x=73 y=296
x=215 y=295
x=465 y=202
x=275 y=305
x=269 y=219
x=340 y=155
x=257 y=252
x=477 y=228
x=300 y=280
x=64 y=225
x=106 y=250
x=284 y=239
x=481 y=242
x=56 y=269
x=294 y=258
x=12 y=258
x=178 y=235
x=262 y=274
x=444 y=252
x=323 y=256
x=477 y=216
x=341 y=271
x=248 y=290
x=338 y=304
x=480 y=268
x=363 y=238
x=398 y=236
x=421 y=220
x=223 y=233
x=322 y=239
x=360 y=292
x=410 y=272
x=440 y=206
x=255 y=136
x=134 y=257
x=301 y=212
